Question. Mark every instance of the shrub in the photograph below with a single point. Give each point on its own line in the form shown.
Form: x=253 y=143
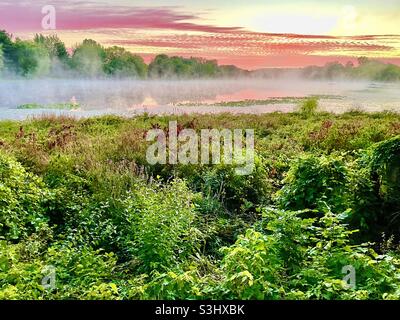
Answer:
x=196 y=279
x=238 y=193
x=375 y=190
x=309 y=106
x=161 y=221
x=315 y=182
x=385 y=163
x=252 y=267
x=79 y=273
x=255 y=267
x=22 y=198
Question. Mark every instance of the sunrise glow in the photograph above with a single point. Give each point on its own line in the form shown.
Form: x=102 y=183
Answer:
x=251 y=34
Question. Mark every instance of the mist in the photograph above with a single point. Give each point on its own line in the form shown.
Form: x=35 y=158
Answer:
x=130 y=97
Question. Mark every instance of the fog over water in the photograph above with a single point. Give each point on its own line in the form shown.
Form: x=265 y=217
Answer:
x=131 y=97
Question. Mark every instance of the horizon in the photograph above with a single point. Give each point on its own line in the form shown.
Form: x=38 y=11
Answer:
x=250 y=36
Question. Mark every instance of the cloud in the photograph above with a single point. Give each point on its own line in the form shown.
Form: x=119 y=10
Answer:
x=258 y=43
x=83 y=15
x=252 y=49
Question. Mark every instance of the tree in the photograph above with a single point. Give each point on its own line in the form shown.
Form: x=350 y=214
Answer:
x=119 y=62
x=8 y=48
x=54 y=46
x=389 y=73
x=88 y=58
x=230 y=71
x=369 y=69
x=334 y=70
x=30 y=59
x=1 y=58
x=163 y=66
x=363 y=60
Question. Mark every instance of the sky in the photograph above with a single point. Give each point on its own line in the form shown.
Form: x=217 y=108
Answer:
x=250 y=34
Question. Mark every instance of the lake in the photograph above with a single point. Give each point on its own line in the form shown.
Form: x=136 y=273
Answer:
x=20 y=99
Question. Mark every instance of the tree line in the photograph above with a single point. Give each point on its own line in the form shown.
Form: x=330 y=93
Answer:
x=48 y=56
x=366 y=69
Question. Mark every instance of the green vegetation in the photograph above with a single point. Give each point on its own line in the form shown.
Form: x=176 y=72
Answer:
x=78 y=195
x=119 y=62
x=57 y=106
x=170 y=67
x=54 y=47
x=309 y=106
x=30 y=58
x=277 y=100
x=366 y=69
x=47 y=56
x=88 y=58
x=1 y=58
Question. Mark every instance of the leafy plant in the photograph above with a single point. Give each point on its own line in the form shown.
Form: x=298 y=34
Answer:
x=22 y=198
x=315 y=182
x=161 y=222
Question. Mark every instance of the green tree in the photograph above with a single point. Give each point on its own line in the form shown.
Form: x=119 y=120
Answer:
x=1 y=58
x=54 y=46
x=163 y=67
x=119 y=62
x=334 y=70
x=389 y=73
x=230 y=71
x=205 y=68
x=88 y=58
x=368 y=69
x=31 y=59
x=8 y=49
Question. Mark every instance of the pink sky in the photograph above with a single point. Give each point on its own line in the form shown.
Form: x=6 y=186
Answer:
x=177 y=30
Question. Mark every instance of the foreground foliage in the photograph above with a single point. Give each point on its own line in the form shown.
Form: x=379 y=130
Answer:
x=78 y=198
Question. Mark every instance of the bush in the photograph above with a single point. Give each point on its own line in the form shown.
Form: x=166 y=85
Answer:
x=239 y=194
x=385 y=163
x=315 y=182
x=376 y=189
x=308 y=107
x=255 y=266
x=22 y=199
x=79 y=273
x=252 y=267
x=161 y=221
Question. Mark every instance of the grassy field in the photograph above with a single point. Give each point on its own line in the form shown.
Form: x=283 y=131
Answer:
x=79 y=196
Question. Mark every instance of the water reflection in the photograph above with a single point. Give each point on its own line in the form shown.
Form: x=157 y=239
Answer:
x=88 y=97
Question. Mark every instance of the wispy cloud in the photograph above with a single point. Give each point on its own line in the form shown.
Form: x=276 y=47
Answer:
x=260 y=43
x=84 y=15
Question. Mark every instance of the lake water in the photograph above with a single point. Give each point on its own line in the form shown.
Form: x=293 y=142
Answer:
x=131 y=97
